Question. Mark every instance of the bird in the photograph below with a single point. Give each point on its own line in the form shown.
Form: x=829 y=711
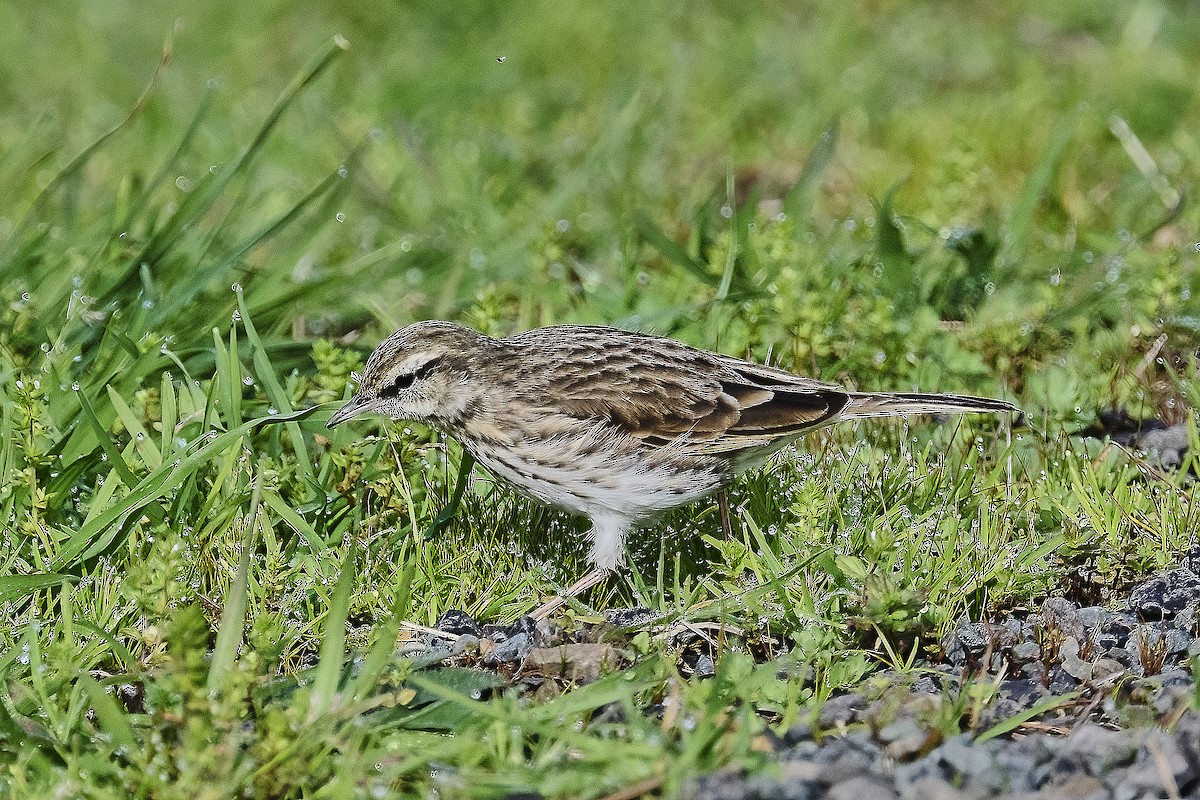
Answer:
x=614 y=425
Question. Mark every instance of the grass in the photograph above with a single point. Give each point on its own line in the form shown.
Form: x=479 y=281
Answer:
x=202 y=588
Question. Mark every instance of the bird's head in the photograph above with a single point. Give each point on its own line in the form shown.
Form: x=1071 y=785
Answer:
x=419 y=372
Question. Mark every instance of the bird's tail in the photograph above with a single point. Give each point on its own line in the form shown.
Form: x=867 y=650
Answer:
x=872 y=404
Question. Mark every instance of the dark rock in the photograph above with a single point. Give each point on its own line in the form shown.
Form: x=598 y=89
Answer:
x=459 y=622
x=631 y=617
x=514 y=648
x=800 y=732
x=1025 y=692
x=1060 y=681
x=966 y=641
x=1165 y=594
x=525 y=625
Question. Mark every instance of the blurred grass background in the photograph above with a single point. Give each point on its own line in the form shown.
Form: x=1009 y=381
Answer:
x=938 y=195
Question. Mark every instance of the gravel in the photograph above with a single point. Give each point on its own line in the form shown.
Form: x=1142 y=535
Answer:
x=1131 y=732
x=1089 y=702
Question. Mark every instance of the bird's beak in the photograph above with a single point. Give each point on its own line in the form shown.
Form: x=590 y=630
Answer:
x=355 y=406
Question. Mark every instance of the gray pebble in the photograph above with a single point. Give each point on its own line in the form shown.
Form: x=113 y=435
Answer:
x=1092 y=616
x=861 y=788
x=514 y=648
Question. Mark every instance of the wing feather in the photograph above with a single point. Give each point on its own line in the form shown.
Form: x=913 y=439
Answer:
x=667 y=393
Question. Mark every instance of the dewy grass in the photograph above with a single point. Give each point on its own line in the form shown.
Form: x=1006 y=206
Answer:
x=203 y=591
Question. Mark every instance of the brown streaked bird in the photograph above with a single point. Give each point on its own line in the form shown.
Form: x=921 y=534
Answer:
x=613 y=425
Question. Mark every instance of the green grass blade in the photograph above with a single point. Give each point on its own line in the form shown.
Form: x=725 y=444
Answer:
x=233 y=615
x=110 y=717
x=798 y=200
x=275 y=391
x=333 y=646
x=13 y=587
x=385 y=634
x=1035 y=188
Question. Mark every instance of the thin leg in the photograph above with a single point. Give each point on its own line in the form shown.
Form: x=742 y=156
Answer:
x=723 y=506
x=460 y=485
x=582 y=585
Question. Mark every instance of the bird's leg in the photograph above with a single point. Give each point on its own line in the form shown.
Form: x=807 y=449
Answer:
x=578 y=587
x=460 y=485
x=723 y=507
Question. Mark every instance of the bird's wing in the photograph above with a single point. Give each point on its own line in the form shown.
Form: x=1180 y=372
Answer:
x=665 y=392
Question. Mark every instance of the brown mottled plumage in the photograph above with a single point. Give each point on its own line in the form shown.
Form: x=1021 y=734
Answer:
x=614 y=425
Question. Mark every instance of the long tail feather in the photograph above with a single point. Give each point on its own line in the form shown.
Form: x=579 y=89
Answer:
x=869 y=404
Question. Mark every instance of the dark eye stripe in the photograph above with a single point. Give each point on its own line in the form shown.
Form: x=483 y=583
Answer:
x=403 y=382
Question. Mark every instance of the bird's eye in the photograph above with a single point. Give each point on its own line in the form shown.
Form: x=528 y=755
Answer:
x=402 y=382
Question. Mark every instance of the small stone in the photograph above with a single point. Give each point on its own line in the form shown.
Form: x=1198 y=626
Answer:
x=1027 y=651
x=845 y=766
x=842 y=709
x=1092 y=616
x=1166 y=446
x=965 y=641
x=1185 y=618
x=964 y=757
x=631 y=617
x=800 y=732
x=1169 y=699
x=861 y=788
x=931 y=788
x=705 y=666
x=514 y=648
x=723 y=785
x=1175 y=676
x=1122 y=656
x=1060 y=614
x=1095 y=750
x=1105 y=668
x=577 y=663
x=1159 y=751
x=1072 y=664
x=1177 y=641
x=459 y=622
x=905 y=739
x=1164 y=594
x=464 y=643
x=1027 y=693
